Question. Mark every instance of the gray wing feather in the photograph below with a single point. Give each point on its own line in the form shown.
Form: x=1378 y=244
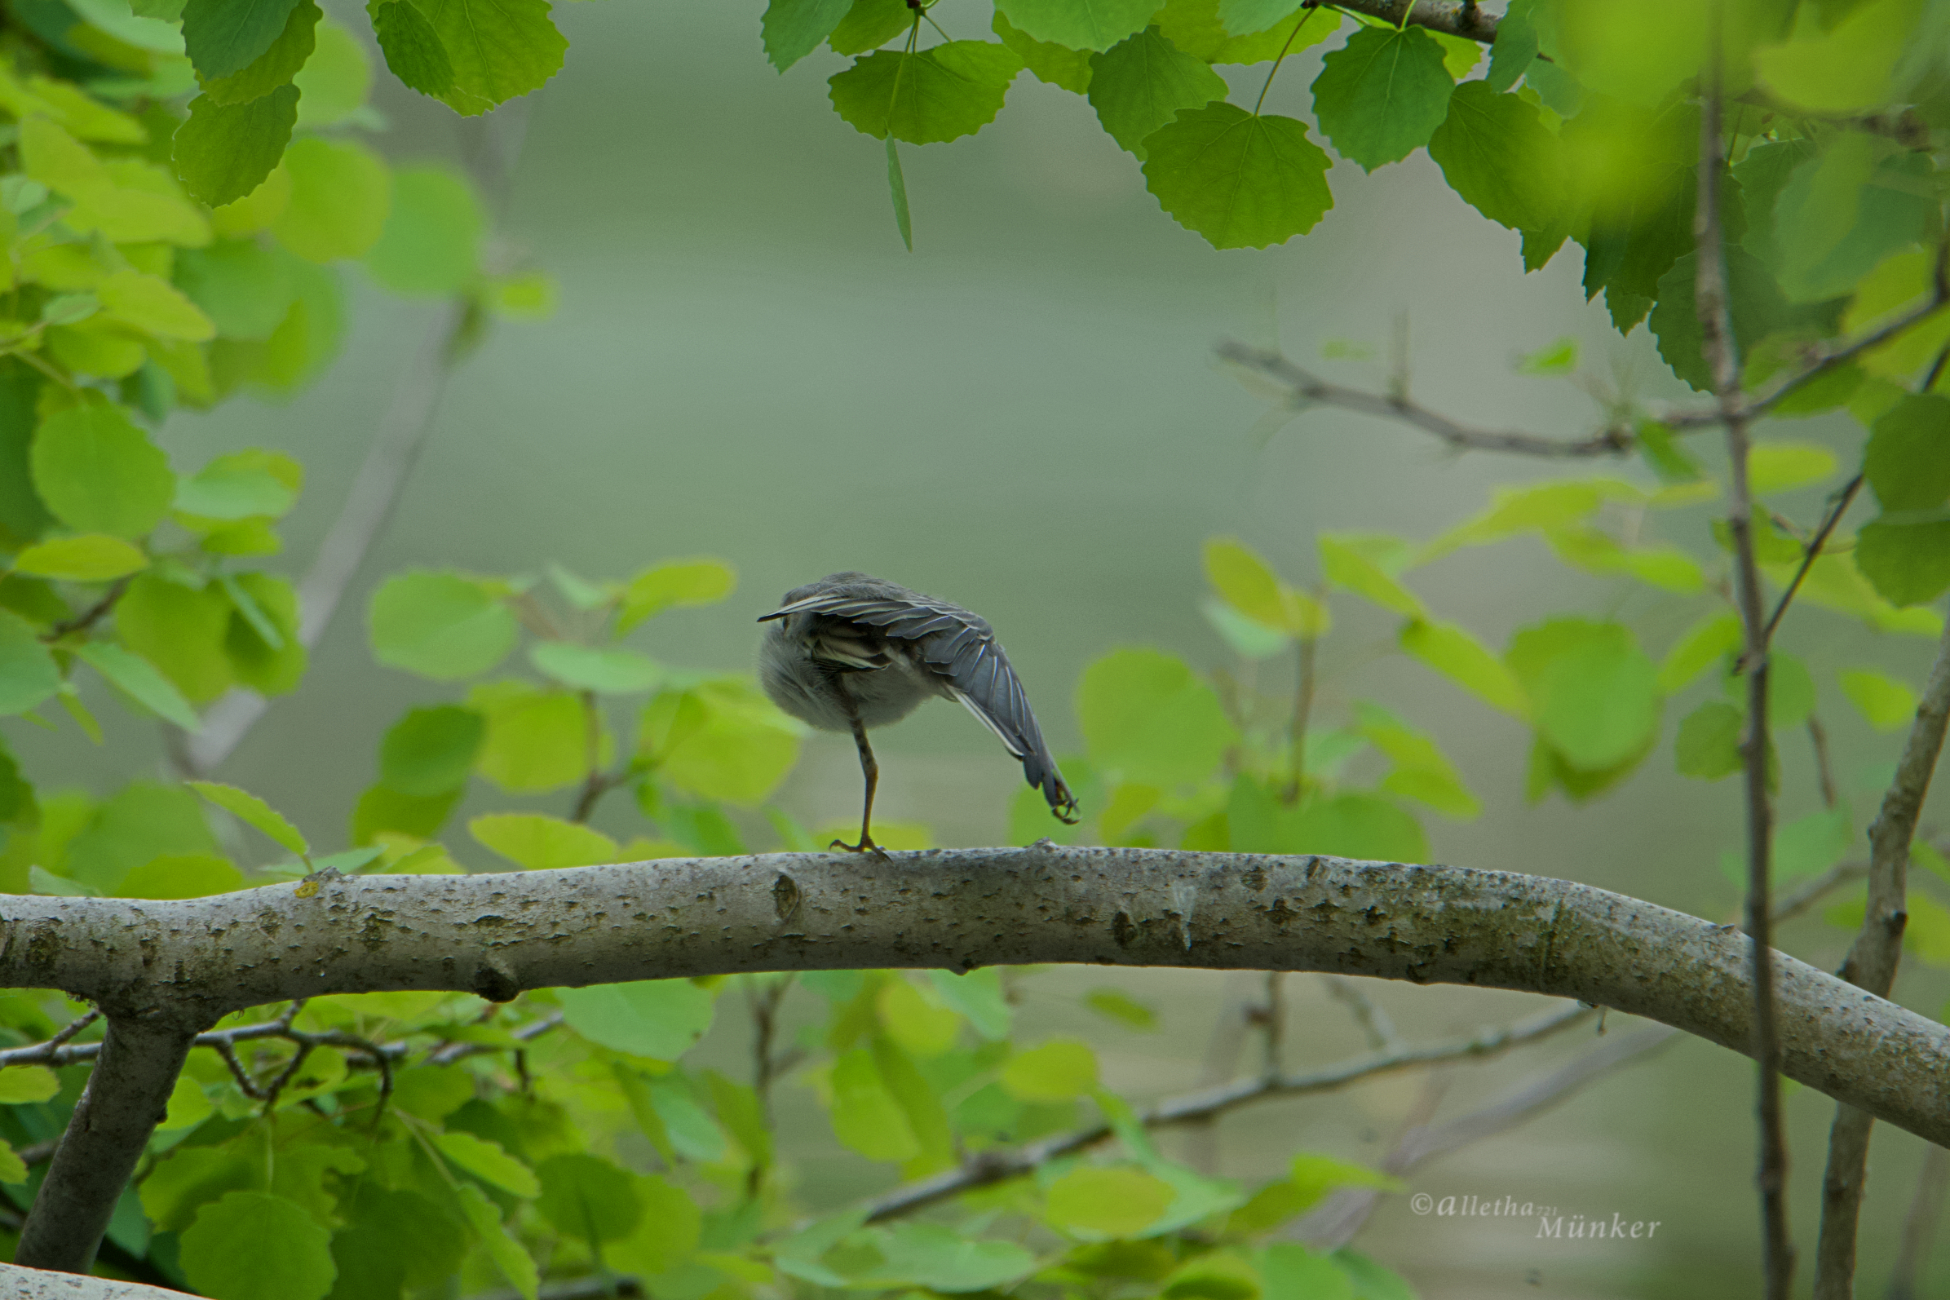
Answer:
x=960 y=647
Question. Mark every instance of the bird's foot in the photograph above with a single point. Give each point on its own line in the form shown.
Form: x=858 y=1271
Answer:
x=866 y=845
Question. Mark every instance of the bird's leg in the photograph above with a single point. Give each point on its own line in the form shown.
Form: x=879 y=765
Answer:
x=869 y=769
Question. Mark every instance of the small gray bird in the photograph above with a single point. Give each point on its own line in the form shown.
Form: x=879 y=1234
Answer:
x=851 y=652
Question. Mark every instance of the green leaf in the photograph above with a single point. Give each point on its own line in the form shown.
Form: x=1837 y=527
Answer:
x=1244 y=17
x=154 y=306
x=1704 y=644
x=1708 y=744
x=1780 y=466
x=1907 y=563
x=1886 y=702
x=1058 y=1070
x=897 y=192
x=1106 y=1202
x=1515 y=47
x=486 y=1160
x=1454 y=651
x=1252 y=588
x=656 y=1018
x=412 y=48
x=341 y=194
x=1355 y=826
x=181 y=875
x=1595 y=692
x=1239 y=180
x=792 y=29
x=1496 y=154
x=28 y=674
x=919 y=1022
x=1421 y=772
x=536 y=739
x=1115 y=1005
x=1383 y=94
x=223 y=37
x=674 y=584
x=1079 y=24
x=43 y=881
x=1054 y=64
x=252 y=811
x=430 y=751
x=1845 y=210
x=507 y=1253
x=141 y=680
x=586 y=1196
x=91 y=557
x=538 y=842
x=1845 y=69
x=224 y=151
x=294 y=1261
x=1808 y=846
x=1144 y=714
x=1756 y=307
x=944 y=93
x=333 y=83
x=1908 y=458
x=945 y=1260
x=864 y=1114
x=611 y=670
x=978 y=997
x=1140 y=84
x=431 y=243
x=721 y=739
x=439 y=625
x=99 y=473
x=23 y=1085
x=1345 y=564
x=261 y=641
x=499 y=49
x=1316 y=1175
x=230 y=489
x=1290 y=1271
x=869 y=24
x=276 y=66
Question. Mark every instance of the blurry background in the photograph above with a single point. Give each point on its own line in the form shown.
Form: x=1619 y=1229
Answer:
x=1022 y=416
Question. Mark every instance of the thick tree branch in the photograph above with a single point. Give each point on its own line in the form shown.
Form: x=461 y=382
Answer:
x=1871 y=965
x=36 y=1284
x=500 y=934
x=121 y=1106
x=1453 y=17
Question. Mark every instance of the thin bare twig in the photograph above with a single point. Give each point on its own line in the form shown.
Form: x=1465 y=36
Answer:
x=1831 y=797
x=1812 y=551
x=995 y=1166
x=1871 y=965
x=1375 y=1023
x=1303 y=704
x=1719 y=346
x=1336 y=1221
x=87 y=618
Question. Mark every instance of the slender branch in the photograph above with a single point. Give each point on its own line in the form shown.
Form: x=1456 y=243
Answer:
x=528 y=1033
x=1452 y=17
x=125 y=1099
x=1919 y=1226
x=1812 y=552
x=87 y=618
x=1718 y=345
x=1375 y=1023
x=1336 y=1221
x=1270 y=1016
x=1871 y=965
x=1831 y=796
x=1306 y=389
x=1206 y=1104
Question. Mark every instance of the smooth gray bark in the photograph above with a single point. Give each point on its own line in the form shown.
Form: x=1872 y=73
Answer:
x=124 y=1101
x=34 y=1284
x=497 y=935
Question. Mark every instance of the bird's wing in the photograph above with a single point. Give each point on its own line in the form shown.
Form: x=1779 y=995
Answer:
x=959 y=647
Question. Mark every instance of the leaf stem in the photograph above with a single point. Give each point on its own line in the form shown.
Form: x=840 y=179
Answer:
x=1292 y=36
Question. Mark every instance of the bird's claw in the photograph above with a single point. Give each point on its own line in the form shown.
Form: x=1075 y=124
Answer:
x=866 y=845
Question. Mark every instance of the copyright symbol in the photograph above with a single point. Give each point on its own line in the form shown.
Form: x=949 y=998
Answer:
x=1421 y=1202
